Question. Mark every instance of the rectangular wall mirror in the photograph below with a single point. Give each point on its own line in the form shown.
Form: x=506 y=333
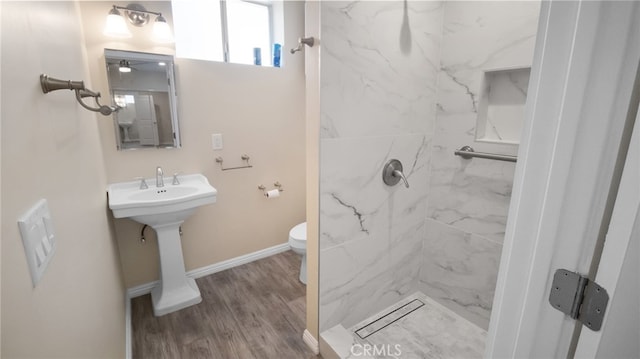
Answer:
x=143 y=86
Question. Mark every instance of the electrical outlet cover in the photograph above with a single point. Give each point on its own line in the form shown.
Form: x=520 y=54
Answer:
x=38 y=238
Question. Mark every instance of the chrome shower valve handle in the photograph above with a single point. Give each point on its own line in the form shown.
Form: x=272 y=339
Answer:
x=392 y=173
x=397 y=173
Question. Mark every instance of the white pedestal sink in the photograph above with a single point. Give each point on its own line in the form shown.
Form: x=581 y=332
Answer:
x=164 y=209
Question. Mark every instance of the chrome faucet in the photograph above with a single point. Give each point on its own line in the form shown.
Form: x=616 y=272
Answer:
x=159 y=177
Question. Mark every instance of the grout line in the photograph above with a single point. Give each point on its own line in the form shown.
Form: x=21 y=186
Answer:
x=480 y=236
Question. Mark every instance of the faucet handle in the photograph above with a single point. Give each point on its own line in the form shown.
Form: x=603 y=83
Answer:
x=392 y=173
x=175 y=181
x=143 y=183
x=398 y=173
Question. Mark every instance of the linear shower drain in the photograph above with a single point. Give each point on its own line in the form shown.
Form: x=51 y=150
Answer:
x=389 y=318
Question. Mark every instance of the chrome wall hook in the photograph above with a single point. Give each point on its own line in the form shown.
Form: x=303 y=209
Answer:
x=309 y=41
x=49 y=84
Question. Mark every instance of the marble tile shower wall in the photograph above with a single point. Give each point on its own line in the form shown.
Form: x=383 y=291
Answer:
x=379 y=67
x=468 y=200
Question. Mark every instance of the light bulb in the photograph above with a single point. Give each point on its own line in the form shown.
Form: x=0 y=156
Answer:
x=124 y=66
x=162 y=31
x=115 y=25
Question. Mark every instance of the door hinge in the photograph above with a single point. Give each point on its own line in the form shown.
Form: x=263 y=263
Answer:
x=579 y=298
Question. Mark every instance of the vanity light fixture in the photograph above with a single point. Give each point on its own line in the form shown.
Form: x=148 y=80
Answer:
x=161 y=31
x=115 y=25
x=124 y=66
x=137 y=15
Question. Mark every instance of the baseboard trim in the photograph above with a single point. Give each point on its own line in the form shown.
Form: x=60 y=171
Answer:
x=146 y=288
x=311 y=342
x=141 y=289
x=237 y=261
x=128 y=330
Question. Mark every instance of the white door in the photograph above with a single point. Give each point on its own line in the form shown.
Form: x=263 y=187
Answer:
x=619 y=272
x=582 y=79
x=146 y=120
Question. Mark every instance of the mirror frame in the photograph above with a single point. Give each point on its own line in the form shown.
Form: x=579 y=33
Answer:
x=171 y=92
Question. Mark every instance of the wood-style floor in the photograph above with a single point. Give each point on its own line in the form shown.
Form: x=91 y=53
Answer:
x=256 y=310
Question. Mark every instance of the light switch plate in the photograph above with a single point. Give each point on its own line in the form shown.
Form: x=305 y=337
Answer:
x=216 y=141
x=38 y=238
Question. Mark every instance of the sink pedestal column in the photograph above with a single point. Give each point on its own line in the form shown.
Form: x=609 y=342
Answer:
x=176 y=290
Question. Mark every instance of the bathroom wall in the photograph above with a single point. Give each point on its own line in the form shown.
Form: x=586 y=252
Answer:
x=259 y=111
x=469 y=199
x=378 y=72
x=51 y=149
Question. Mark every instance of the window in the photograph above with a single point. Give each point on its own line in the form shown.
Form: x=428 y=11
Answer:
x=237 y=31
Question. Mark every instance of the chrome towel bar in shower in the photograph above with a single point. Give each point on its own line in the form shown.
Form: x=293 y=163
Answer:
x=467 y=153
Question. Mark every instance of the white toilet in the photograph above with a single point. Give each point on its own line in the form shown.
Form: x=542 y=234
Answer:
x=125 y=129
x=298 y=243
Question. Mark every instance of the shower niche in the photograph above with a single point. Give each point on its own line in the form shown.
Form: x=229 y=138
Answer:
x=501 y=105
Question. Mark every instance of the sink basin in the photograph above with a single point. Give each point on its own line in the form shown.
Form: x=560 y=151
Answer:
x=156 y=205
x=165 y=209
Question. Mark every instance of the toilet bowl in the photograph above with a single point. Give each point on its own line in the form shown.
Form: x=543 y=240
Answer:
x=298 y=243
x=125 y=129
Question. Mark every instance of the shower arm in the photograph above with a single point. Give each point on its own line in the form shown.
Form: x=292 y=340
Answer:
x=49 y=84
x=309 y=41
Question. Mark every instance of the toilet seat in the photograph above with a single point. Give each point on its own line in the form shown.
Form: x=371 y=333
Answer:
x=298 y=243
x=298 y=236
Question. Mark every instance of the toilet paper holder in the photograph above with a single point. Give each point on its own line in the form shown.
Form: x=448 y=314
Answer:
x=264 y=189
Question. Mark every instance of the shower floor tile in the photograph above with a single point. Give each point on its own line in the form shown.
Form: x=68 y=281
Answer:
x=431 y=331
